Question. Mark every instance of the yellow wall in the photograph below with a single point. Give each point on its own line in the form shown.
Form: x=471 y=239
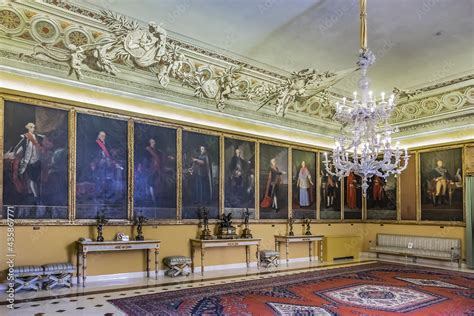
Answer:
x=52 y=244
x=56 y=243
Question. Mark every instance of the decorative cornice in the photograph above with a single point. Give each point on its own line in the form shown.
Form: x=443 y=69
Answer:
x=452 y=101
x=460 y=121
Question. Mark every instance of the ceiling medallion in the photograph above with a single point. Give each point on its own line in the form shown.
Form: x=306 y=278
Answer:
x=11 y=21
x=364 y=147
x=77 y=37
x=44 y=30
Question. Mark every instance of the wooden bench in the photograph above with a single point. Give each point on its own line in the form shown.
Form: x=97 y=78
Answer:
x=421 y=247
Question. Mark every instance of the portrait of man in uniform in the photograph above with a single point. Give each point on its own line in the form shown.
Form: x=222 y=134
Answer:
x=441 y=185
x=35 y=161
x=382 y=198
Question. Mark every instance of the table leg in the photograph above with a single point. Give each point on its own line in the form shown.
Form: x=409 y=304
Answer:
x=84 y=268
x=202 y=260
x=287 y=254
x=321 y=246
x=147 y=251
x=78 y=267
x=310 y=251
x=157 y=252
x=193 y=250
x=247 y=256
x=258 y=256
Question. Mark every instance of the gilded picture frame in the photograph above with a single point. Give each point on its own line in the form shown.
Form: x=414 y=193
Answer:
x=74 y=108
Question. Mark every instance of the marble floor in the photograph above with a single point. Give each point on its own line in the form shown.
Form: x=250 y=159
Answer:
x=92 y=300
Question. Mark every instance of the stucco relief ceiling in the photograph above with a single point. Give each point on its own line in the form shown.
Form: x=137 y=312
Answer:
x=231 y=55
x=417 y=42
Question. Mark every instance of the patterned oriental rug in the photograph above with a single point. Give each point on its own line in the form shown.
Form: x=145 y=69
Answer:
x=370 y=289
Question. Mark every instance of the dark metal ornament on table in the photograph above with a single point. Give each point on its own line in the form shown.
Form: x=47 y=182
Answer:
x=139 y=221
x=226 y=230
x=307 y=221
x=101 y=221
x=246 y=233
x=206 y=232
x=291 y=220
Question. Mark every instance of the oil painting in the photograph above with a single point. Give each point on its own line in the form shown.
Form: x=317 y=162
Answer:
x=35 y=174
x=352 y=196
x=304 y=184
x=101 y=171
x=441 y=185
x=273 y=182
x=154 y=171
x=200 y=174
x=239 y=173
x=382 y=198
x=330 y=191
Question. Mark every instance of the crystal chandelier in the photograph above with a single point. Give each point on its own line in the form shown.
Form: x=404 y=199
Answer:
x=365 y=144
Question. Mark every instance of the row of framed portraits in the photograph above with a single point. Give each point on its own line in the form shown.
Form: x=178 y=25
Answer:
x=66 y=164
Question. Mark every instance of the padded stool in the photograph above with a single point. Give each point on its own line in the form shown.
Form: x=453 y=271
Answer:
x=269 y=258
x=177 y=265
x=58 y=274
x=28 y=278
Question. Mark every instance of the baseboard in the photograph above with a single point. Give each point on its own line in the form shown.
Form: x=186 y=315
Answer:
x=142 y=274
x=421 y=261
x=119 y=276
x=295 y=260
x=243 y=265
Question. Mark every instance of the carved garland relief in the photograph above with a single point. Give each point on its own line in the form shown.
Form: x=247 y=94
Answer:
x=150 y=49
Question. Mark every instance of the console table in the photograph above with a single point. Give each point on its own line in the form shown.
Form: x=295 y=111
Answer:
x=302 y=238
x=216 y=243
x=84 y=247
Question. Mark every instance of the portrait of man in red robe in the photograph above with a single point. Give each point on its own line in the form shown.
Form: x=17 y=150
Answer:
x=351 y=191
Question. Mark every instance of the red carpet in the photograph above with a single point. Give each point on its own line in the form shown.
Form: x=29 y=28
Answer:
x=371 y=289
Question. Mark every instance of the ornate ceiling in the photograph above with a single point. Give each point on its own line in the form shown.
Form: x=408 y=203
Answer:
x=74 y=42
x=416 y=42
